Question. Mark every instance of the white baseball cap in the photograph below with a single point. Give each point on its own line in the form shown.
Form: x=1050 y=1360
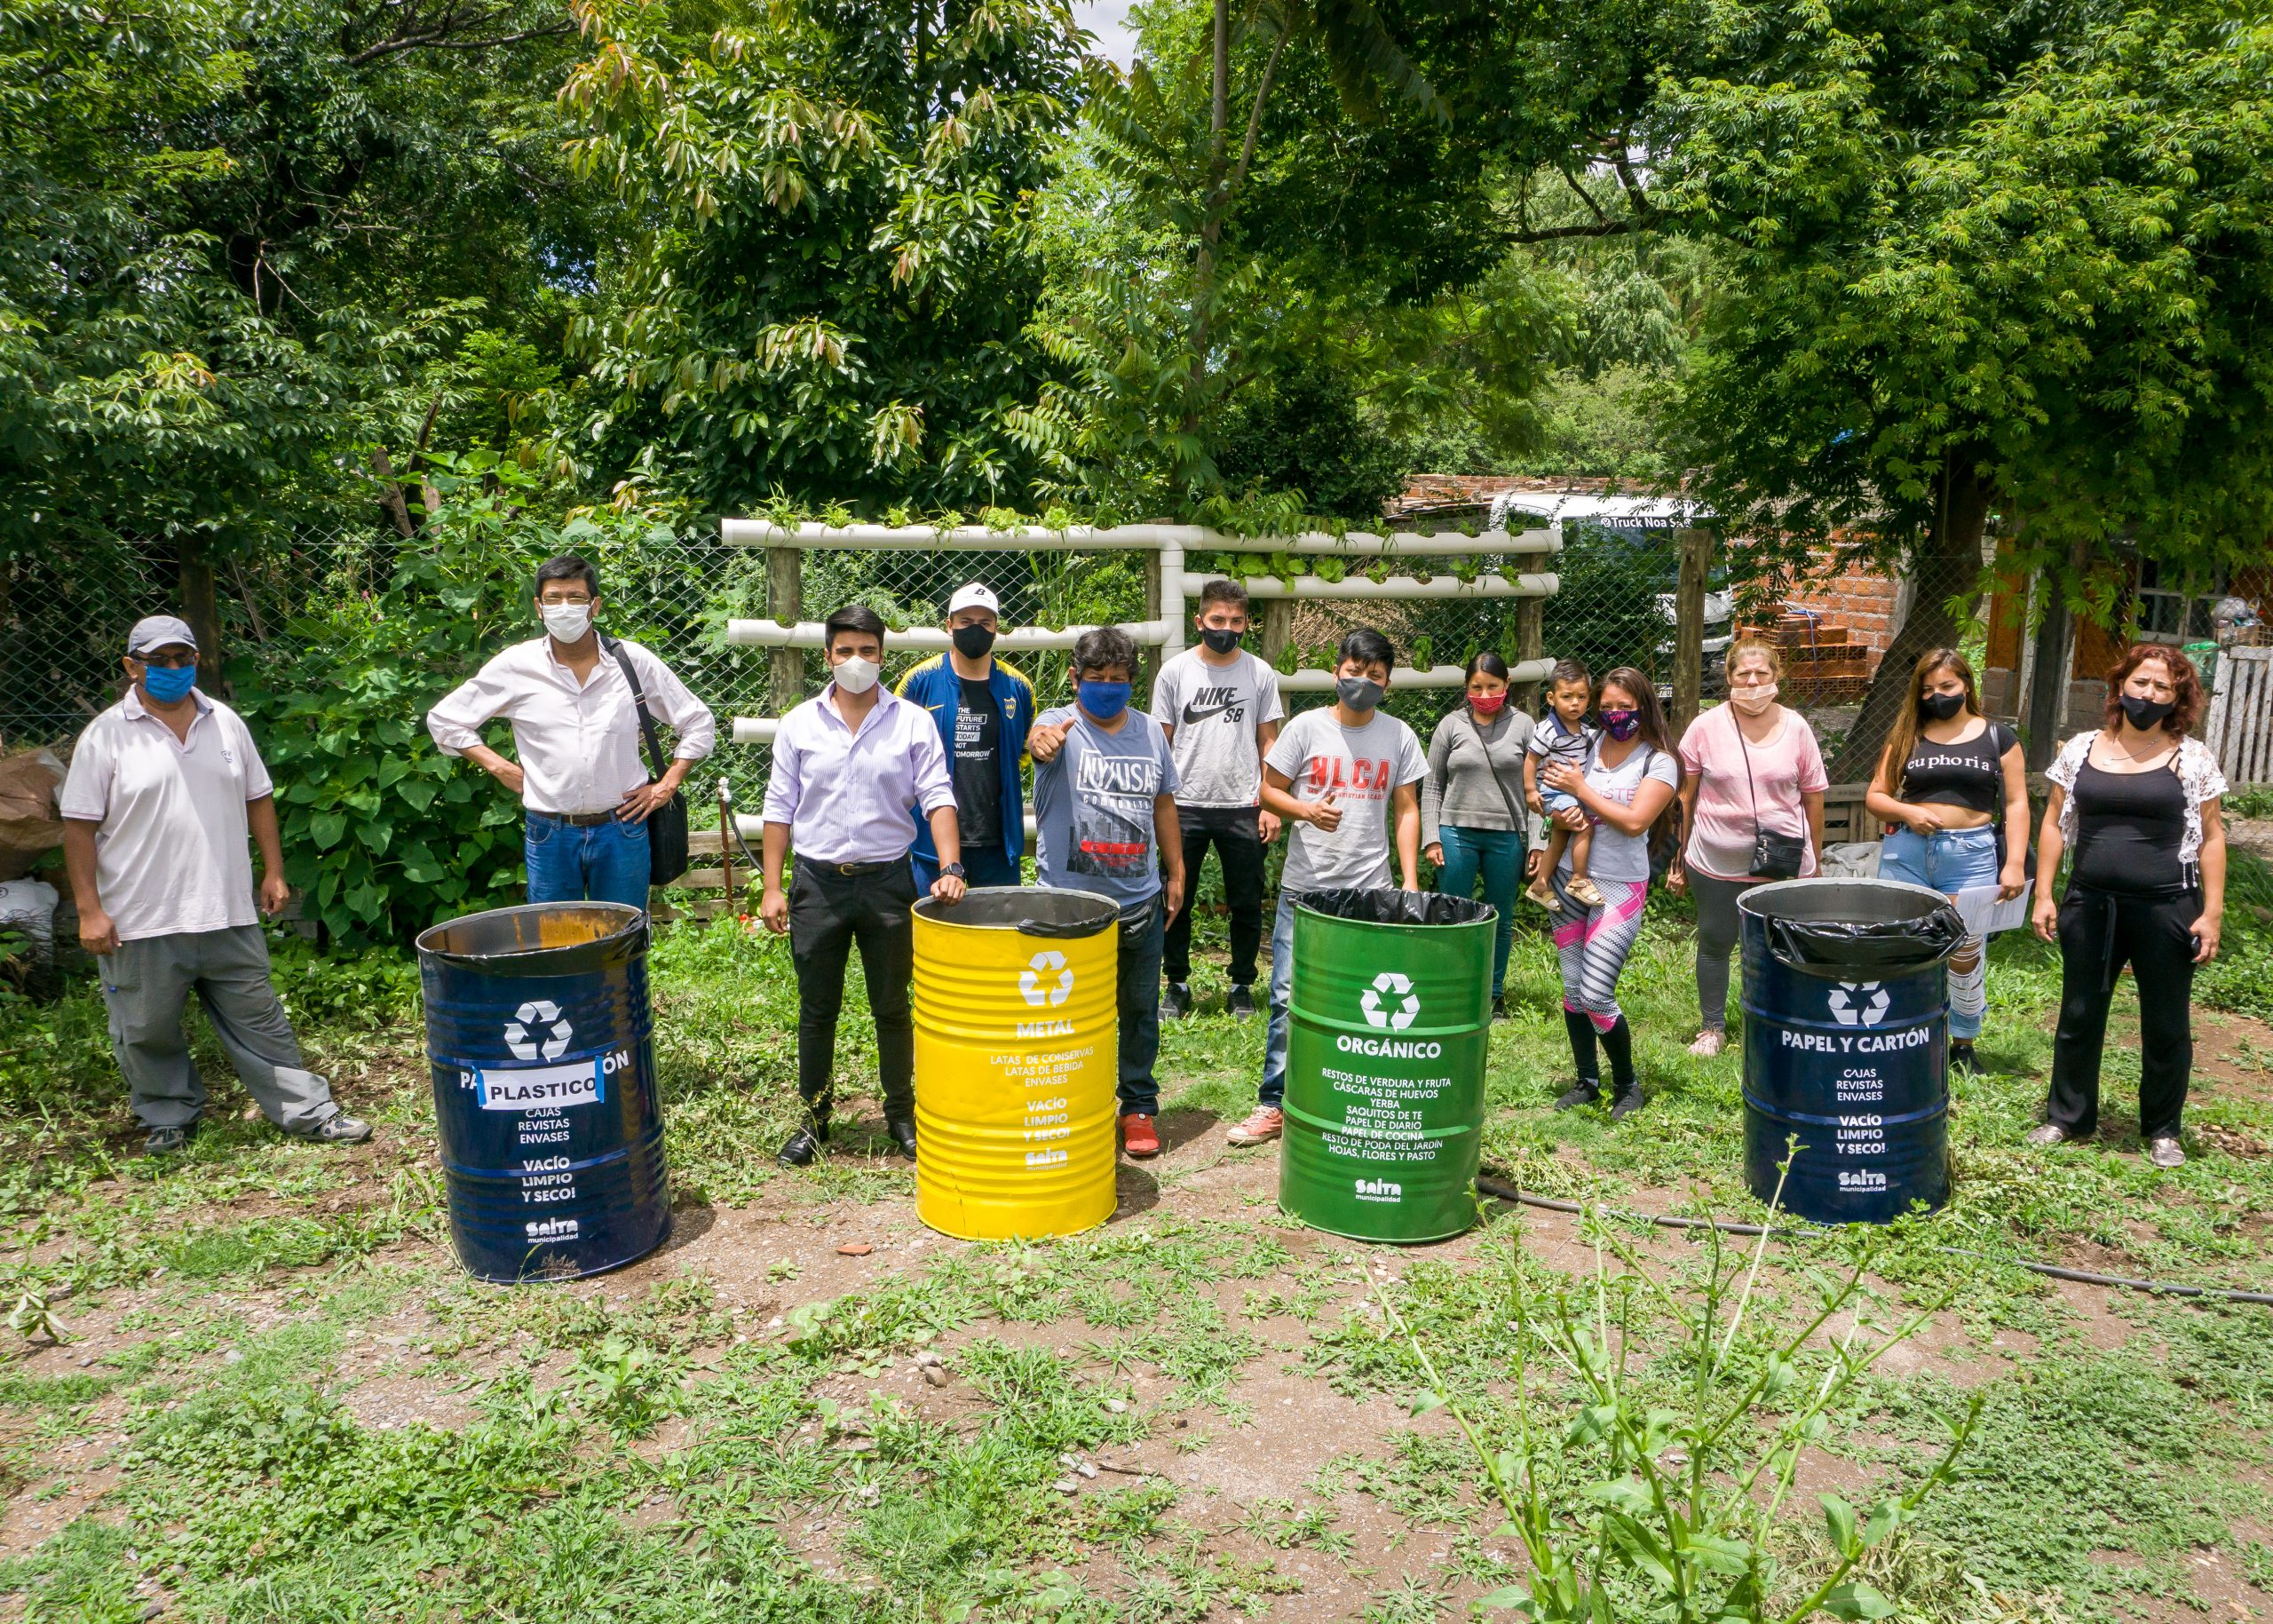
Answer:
x=975 y=596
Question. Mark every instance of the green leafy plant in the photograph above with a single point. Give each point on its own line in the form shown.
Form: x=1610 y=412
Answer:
x=621 y=1384
x=1634 y=1511
x=384 y=833
x=30 y=1318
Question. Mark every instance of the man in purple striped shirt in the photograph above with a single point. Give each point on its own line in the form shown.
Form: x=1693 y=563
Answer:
x=853 y=768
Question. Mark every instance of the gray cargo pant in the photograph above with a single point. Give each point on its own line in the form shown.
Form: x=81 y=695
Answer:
x=147 y=983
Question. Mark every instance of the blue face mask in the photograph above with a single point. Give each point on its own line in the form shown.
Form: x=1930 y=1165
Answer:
x=1103 y=699
x=168 y=684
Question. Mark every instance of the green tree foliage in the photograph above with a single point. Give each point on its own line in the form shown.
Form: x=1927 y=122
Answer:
x=1274 y=202
x=827 y=292
x=1304 y=433
x=1985 y=260
x=383 y=834
x=233 y=242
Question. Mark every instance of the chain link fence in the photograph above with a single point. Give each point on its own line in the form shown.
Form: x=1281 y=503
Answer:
x=63 y=614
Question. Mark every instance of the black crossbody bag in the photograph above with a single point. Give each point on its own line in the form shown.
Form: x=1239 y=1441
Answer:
x=1515 y=813
x=667 y=838
x=1774 y=856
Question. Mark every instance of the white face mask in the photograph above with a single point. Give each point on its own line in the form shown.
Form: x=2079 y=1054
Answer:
x=856 y=675
x=567 y=622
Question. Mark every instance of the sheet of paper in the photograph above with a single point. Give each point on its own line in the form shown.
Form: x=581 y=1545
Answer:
x=1984 y=916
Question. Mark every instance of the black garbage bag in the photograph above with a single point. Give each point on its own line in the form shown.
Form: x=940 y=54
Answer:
x=1397 y=907
x=1848 y=930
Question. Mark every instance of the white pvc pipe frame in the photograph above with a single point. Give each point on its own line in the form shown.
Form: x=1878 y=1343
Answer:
x=1169 y=541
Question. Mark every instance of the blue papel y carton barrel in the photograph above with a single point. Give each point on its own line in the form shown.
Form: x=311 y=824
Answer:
x=1846 y=1046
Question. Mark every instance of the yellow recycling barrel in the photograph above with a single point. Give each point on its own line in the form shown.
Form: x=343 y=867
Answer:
x=1016 y=1054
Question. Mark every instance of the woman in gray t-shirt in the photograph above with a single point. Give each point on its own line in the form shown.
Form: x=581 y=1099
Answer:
x=1630 y=778
x=1471 y=803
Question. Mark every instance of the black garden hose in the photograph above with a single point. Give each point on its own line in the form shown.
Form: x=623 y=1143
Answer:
x=1500 y=1190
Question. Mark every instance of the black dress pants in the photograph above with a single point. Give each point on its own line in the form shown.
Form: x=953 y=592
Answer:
x=829 y=913
x=2100 y=932
x=1232 y=831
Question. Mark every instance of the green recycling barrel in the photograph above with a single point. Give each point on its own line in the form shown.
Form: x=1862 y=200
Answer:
x=1391 y=1015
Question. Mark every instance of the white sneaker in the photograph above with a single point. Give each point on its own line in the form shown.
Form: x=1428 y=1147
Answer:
x=1709 y=1043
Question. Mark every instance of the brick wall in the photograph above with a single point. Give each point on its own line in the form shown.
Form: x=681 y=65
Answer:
x=1866 y=602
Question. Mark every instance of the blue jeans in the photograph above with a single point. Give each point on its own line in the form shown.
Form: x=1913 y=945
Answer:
x=982 y=865
x=1282 y=997
x=604 y=863
x=1142 y=928
x=1949 y=861
x=1499 y=855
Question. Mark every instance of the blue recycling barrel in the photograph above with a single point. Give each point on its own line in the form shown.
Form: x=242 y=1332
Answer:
x=538 y=1032
x=1846 y=1046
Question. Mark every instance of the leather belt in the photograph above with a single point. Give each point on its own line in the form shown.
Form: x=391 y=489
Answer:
x=849 y=870
x=578 y=821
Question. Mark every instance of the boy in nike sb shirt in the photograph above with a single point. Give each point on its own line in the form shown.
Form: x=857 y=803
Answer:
x=1219 y=706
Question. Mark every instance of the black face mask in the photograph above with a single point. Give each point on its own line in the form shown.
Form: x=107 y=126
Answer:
x=971 y=642
x=1942 y=707
x=1220 y=641
x=2146 y=713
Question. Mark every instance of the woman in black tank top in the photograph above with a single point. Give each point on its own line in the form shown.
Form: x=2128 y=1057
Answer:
x=2139 y=802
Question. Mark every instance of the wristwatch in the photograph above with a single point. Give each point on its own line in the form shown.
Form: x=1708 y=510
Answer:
x=953 y=871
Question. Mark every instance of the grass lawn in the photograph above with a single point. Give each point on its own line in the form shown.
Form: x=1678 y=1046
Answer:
x=277 y=1398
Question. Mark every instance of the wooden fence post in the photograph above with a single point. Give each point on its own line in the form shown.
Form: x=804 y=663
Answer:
x=1689 y=628
x=1148 y=658
x=1530 y=642
x=1278 y=628
x=785 y=601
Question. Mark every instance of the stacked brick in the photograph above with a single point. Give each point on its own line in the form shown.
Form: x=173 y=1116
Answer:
x=1823 y=664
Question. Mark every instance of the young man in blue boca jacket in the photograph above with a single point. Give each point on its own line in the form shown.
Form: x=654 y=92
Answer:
x=984 y=708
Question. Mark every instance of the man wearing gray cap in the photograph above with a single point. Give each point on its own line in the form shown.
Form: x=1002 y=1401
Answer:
x=163 y=789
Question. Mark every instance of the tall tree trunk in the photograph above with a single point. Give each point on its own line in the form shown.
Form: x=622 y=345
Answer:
x=201 y=606
x=1947 y=564
x=1219 y=128
x=2048 y=699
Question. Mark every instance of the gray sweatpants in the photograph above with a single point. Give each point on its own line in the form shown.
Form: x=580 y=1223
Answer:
x=147 y=984
x=1718 y=924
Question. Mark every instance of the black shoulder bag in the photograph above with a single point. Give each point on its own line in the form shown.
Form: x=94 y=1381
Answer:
x=667 y=842
x=1774 y=856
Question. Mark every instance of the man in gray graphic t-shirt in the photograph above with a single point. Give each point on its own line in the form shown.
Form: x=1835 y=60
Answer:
x=1105 y=807
x=1220 y=706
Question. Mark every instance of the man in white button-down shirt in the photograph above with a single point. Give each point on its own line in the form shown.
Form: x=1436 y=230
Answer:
x=576 y=730
x=164 y=788
x=852 y=770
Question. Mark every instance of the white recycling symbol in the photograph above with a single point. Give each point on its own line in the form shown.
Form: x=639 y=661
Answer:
x=536 y=1013
x=1843 y=1003
x=1031 y=985
x=1391 y=982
